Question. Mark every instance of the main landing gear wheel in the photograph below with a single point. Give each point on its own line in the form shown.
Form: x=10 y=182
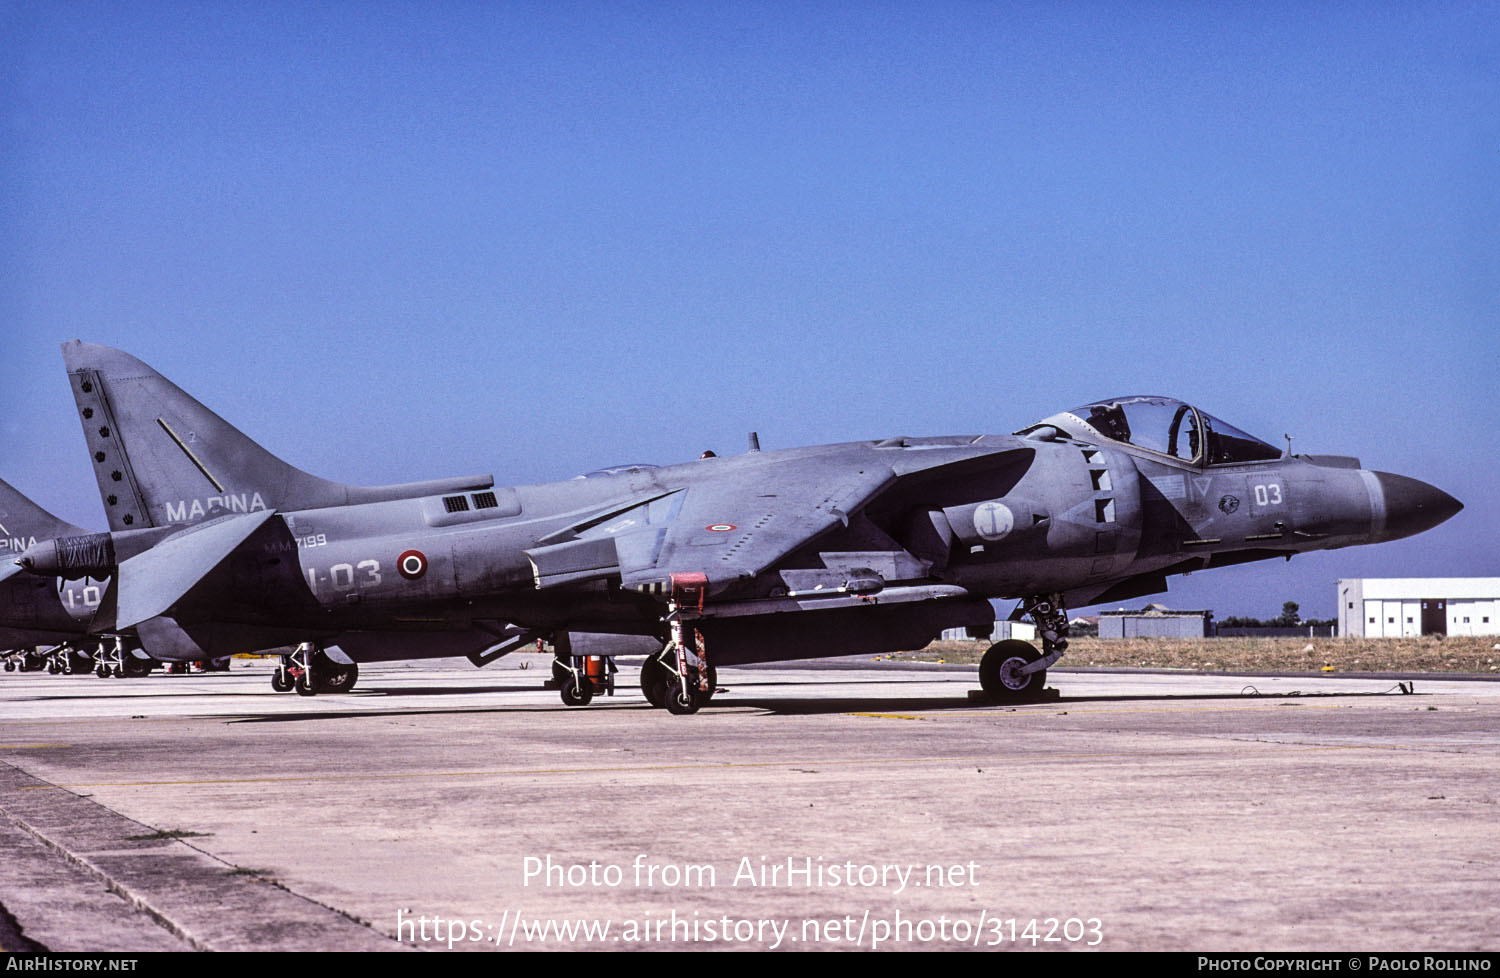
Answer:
x=1000 y=673
x=334 y=677
x=282 y=681
x=655 y=678
x=658 y=681
x=305 y=686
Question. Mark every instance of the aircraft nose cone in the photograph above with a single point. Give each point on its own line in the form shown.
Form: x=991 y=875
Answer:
x=1412 y=506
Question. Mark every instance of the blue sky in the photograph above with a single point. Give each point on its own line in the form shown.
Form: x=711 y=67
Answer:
x=396 y=241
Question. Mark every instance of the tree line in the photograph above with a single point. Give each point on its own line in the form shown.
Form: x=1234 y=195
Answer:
x=1289 y=618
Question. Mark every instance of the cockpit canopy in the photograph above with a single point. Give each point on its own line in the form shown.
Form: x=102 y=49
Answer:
x=1165 y=426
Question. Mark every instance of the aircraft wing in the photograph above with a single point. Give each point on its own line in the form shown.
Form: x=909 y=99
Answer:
x=731 y=533
x=733 y=528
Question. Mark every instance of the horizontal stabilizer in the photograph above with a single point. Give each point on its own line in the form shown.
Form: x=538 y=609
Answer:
x=151 y=582
x=23 y=522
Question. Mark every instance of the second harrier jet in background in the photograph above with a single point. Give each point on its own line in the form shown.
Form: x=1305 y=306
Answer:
x=868 y=546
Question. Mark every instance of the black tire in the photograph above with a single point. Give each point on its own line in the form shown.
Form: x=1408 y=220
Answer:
x=334 y=677
x=281 y=681
x=577 y=691
x=304 y=687
x=655 y=679
x=682 y=702
x=10 y=666
x=997 y=673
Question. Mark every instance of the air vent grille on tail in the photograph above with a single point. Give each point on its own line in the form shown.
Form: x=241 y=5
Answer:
x=117 y=484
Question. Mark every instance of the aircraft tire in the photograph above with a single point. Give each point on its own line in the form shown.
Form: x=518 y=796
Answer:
x=575 y=693
x=336 y=678
x=281 y=682
x=682 y=702
x=305 y=688
x=654 y=680
x=996 y=673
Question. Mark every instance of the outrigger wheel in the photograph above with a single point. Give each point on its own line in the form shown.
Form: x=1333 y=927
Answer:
x=1000 y=673
x=577 y=690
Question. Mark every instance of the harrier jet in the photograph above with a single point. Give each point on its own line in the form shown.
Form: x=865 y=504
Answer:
x=862 y=547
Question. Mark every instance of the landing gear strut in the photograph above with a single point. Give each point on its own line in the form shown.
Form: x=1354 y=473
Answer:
x=1013 y=671
x=680 y=677
x=581 y=677
x=310 y=670
x=65 y=660
x=109 y=658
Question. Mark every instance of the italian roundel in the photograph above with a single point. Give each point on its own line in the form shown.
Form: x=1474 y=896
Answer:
x=412 y=564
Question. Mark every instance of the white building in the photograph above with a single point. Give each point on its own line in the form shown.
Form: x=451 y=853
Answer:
x=1406 y=607
x=1004 y=629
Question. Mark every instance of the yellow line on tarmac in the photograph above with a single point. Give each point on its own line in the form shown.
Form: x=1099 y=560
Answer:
x=712 y=766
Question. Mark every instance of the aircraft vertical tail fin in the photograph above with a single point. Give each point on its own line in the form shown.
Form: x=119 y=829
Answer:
x=23 y=523
x=162 y=458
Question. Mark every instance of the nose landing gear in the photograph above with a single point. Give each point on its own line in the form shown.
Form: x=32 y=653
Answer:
x=1013 y=671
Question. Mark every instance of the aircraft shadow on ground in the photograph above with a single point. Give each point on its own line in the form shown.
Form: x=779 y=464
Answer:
x=948 y=704
x=806 y=706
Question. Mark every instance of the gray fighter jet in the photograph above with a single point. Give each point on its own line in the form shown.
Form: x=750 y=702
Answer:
x=868 y=547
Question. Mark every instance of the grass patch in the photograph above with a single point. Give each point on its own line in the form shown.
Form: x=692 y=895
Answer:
x=1462 y=654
